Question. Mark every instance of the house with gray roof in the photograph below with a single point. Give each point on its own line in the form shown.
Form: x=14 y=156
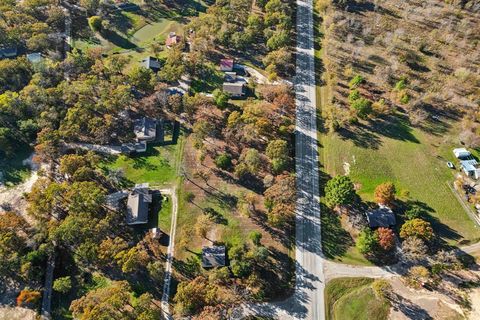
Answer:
x=214 y=256
x=138 y=204
x=382 y=216
x=145 y=129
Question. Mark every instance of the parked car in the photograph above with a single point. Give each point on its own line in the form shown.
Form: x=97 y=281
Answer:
x=450 y=165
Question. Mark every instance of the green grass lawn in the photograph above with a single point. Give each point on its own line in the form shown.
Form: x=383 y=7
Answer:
x=412 y=160
x=157 y=166
x=164 y=218
x=14 y=172
x=353 y=298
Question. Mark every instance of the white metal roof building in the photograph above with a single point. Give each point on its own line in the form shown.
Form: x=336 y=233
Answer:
x=462 y=153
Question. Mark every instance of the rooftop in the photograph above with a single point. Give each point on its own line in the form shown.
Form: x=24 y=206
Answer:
x=172 y=39
x=234 y=88
x=137 y=205
x=145 y=129
x=226 y=64
x=152 y=63
x=381 y=217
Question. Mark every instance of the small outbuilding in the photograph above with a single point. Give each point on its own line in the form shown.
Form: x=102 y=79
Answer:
x=234 y=89
x=172 y=40
x=383 y=216
x=471 y=168
x=35 y=57
x=214 y=256
x=226 y=65
x=462 y=153
x=152 y=64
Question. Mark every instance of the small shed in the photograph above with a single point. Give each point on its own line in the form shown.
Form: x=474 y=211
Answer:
x=214 y=256
x=226 y=65
x=383 y=216
x=152 y=64
x=137 y=147
x=35 y=57
x=172 y=40
x=235 y=89
x=471 y=168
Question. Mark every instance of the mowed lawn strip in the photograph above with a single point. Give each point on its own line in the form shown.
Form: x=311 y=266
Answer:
x=353 y=298
x=411 y=161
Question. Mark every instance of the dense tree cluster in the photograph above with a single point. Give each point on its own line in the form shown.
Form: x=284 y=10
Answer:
x=233 y=25
x=30 y=24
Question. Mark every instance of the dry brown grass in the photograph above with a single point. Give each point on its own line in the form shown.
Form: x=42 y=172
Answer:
x=431 y=44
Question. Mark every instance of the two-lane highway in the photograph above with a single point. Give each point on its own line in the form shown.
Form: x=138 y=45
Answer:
x=309 y=290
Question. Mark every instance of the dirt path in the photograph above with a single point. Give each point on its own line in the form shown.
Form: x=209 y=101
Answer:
x=170 y=251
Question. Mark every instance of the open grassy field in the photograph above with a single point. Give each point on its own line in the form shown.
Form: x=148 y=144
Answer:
x=353 y=298
x=390 y=149
x=410 y=158
x=157 y=166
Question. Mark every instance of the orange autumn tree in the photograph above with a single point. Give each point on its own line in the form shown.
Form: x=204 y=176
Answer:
x=28 y=297
x=386 y=238
x=385 y=193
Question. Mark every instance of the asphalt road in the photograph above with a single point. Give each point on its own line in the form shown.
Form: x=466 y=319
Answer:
x=308 y=300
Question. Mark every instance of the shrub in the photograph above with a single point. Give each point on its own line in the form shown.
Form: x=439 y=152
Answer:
x=221 y=98
x=417 y=228
x=356 y=81
x=363 y=107
x=415 y=212
x=256 y=237
x=223 y=161
x=27 y=296
x=400 y=85
x=404 y=97
x=279 y=165
x=62 y=285
x=354 y=95
x=339 y=191
x=367 y=241
x=417 y=275
x=189 y=196
x=382 y=288
x=95 y=23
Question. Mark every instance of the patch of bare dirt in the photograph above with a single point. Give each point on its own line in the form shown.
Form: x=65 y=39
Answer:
x=16 y=313
x=421 y=304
